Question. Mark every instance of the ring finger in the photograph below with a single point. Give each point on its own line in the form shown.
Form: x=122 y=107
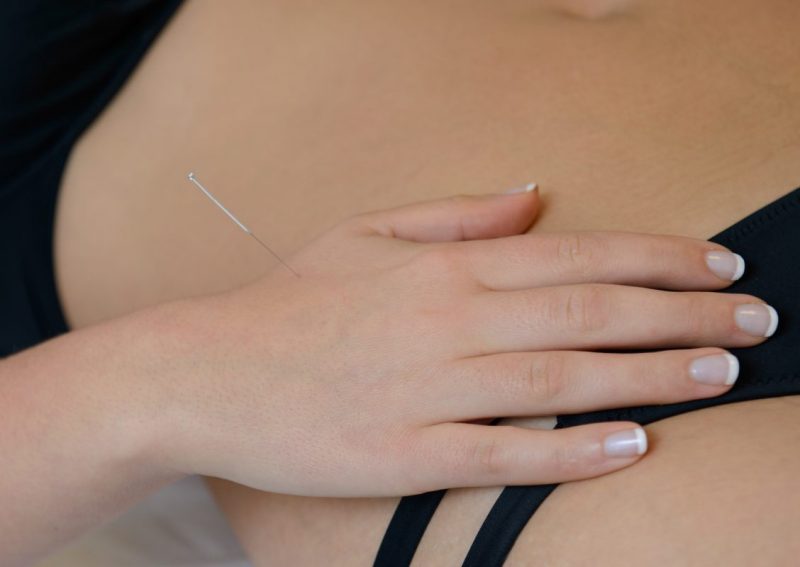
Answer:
x=558 y=382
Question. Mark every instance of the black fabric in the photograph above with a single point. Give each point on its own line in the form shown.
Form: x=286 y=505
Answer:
x=61 y=62
x=407 y=527
x=505 y=521
x=769 y=240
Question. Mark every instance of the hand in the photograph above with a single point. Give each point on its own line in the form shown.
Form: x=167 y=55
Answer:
x=371 y=373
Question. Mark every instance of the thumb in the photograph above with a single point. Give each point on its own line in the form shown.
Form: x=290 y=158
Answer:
x=460 y=217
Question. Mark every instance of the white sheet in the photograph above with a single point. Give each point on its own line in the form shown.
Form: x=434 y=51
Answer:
x=180 y=526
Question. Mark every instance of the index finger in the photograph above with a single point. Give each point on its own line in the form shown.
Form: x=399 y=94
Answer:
x=563 y=258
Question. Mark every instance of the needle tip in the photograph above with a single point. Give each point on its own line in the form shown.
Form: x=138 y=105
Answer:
x=191 y=175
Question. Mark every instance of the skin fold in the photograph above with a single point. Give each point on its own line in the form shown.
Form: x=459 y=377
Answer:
x=669 y=117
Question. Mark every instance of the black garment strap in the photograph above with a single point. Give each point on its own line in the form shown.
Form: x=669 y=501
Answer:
x=507 y=518
x=408 y=525
x=406 y=529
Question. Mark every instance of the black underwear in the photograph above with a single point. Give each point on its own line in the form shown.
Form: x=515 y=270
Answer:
x=769 y=241
x=62 y=63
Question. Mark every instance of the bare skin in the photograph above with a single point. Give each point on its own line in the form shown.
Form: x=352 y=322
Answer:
x=659 y=117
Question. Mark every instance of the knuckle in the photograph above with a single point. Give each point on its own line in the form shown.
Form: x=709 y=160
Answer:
x=584 y=309
x=357 y=224
x=408 y=455
x=545 y=379
x=402 y=472
x=696 y=316
x=578 y=252
x=568 y=461
x=488 y=457
x=441 y=261
x=669 y=256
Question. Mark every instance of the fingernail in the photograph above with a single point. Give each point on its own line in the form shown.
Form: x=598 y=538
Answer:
x=627 y=443
x=725 y=265
x=757 y=319
x=524 y=189
x=716 y=369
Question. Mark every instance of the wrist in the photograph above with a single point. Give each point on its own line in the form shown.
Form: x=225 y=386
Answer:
x=170 y=384
x=140 y=404
x=79 y=424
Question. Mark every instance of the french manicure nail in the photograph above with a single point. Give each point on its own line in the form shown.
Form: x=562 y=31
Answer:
x=725 y=265
x=627 y=443
x=757 y=319
x=524 y=189
x=715 y=369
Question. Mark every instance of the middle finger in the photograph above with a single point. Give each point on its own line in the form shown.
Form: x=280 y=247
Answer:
x=592 y=316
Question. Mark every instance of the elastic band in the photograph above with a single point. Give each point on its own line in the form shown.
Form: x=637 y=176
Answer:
x=406 y=529
x=509 y=515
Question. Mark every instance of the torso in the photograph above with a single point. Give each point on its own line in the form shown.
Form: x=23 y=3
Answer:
x=675 y=117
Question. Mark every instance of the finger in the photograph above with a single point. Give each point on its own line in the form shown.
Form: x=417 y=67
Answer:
x=559 y=382
x=460 y=217
x=464 y=454
x=546 y=259
x=593 y=316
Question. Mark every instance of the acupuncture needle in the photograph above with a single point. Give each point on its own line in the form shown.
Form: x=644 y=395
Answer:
x=239 y=223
